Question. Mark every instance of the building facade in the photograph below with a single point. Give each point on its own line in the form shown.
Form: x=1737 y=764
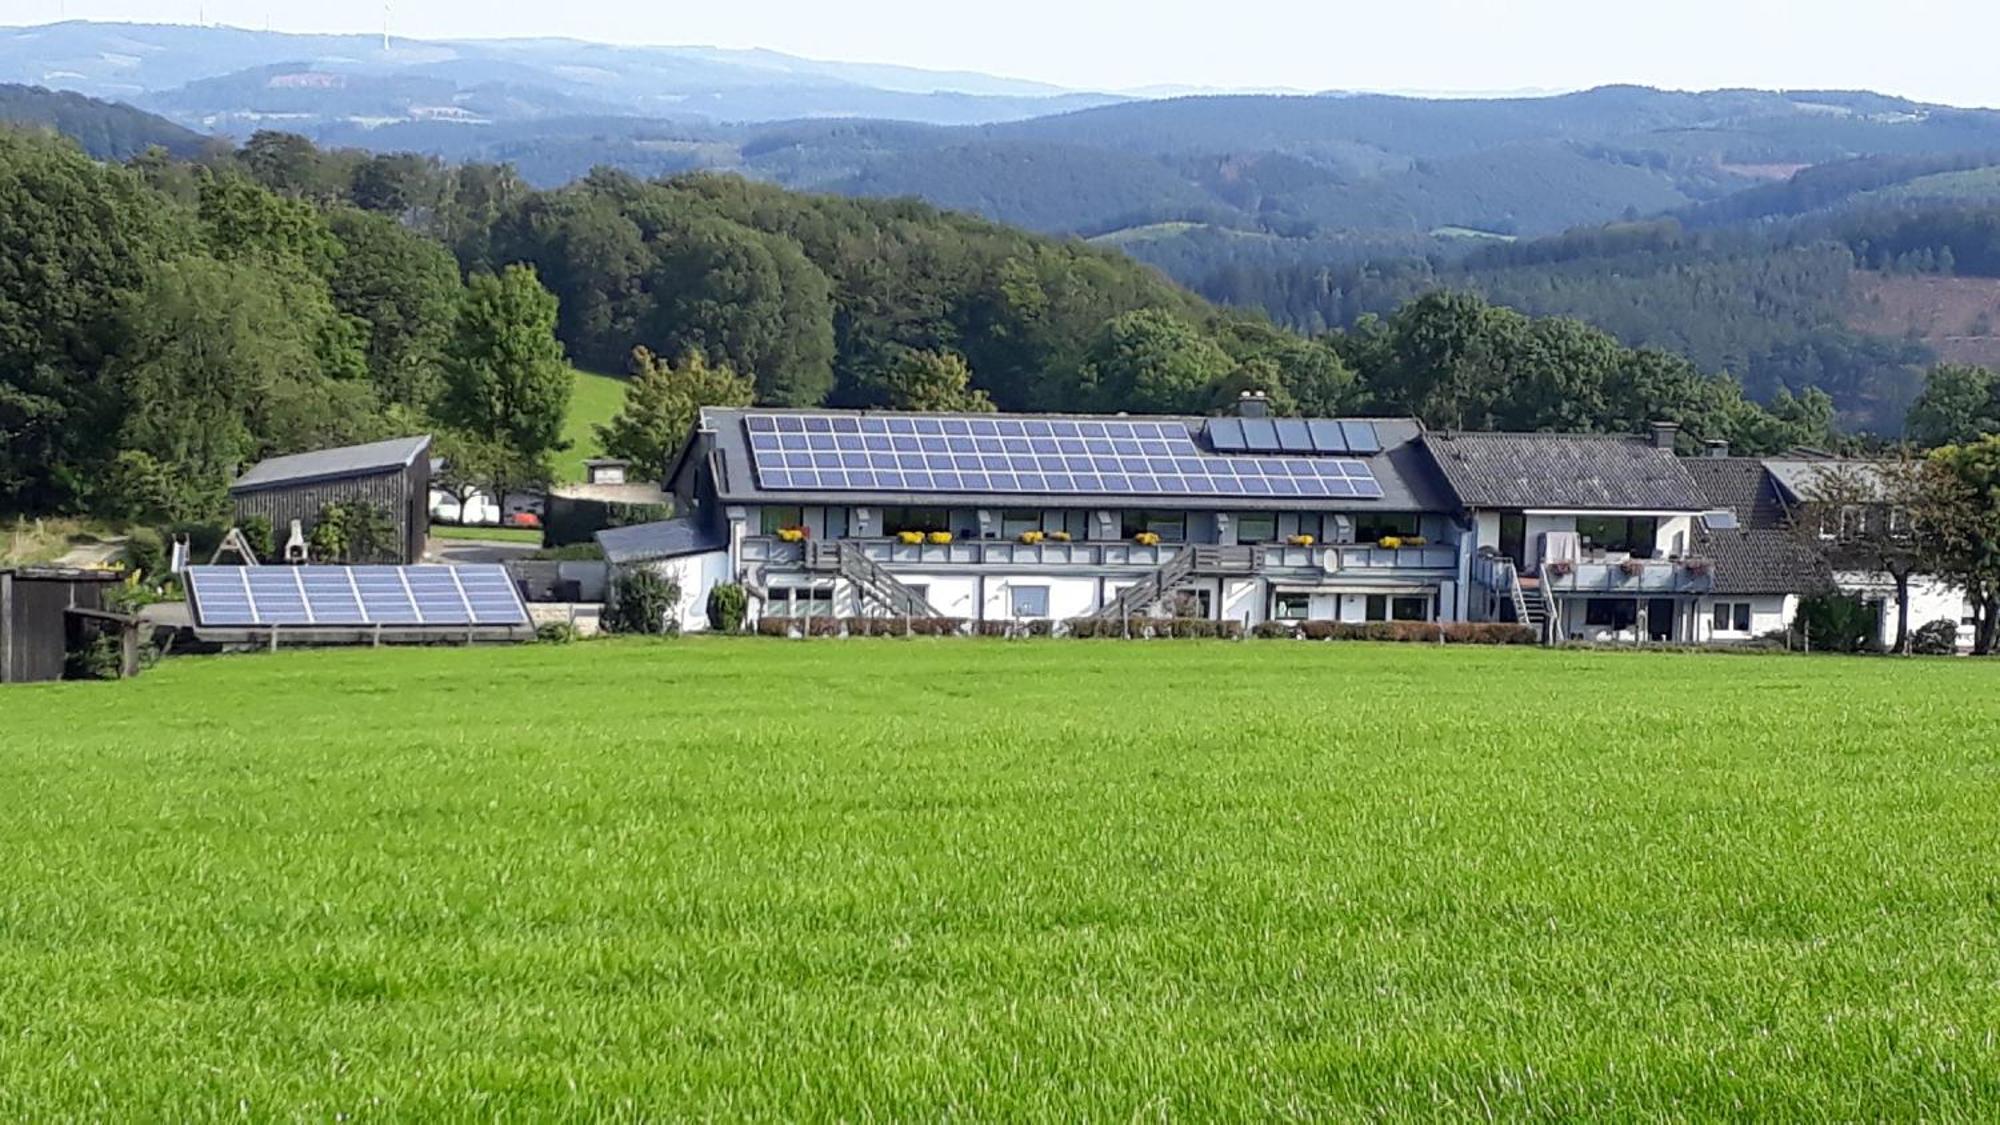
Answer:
x=393 y=476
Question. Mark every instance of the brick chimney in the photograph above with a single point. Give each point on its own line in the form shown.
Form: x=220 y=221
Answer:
x=1253 y=404
x=1664 y=434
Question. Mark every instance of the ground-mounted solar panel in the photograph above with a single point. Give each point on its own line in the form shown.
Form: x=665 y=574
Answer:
x=253 y=597
x=1054 y=456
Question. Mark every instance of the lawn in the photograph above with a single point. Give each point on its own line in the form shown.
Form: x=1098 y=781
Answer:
x=486 y=534
x=595 y=399
x=1056 y=879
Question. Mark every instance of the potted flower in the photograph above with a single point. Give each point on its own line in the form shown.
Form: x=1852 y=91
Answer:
x=1059 y=536
x=1147 y=539
x=1390 y=542
x=791 y=534
x=1415 y=541
x=910 y=538
x=1631 y=568
x=1696 y=567
x=939 y=537
x=1031 y=537
x=1300 y=540
x=1561 y=568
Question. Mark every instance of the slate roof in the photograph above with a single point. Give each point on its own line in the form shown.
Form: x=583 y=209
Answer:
x=1741 y=485
x=667 y=539
x=1763 y=561
x=1409 y=478
x=1603 y=472
x=333 y=464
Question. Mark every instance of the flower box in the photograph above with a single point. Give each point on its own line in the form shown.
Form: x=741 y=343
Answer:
x=1631 y=568
x=791 y=534
x=1696 y=567
x=1147 y=539
x=1390 y=542
x=1561 y=568
x=1300 y=540
x=910 y=538
x=939 y=537
x=1031 y=537
x=1059 y=536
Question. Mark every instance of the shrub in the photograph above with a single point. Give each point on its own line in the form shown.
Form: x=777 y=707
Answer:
x=936 y=626
x=1274 y=630
x=994 y=628
x=98 y=658
x=1084 y=628
x=1938 y=638
x=1318 y=630
x=822 y=626
x=1042 y=627
x=1231 y=630
x=727 y=603
x=643 y=601
x=774 y=626
x=574 y=552
x=1835 y=623
x=257 y=532
x=146 y=555
x=557 y=633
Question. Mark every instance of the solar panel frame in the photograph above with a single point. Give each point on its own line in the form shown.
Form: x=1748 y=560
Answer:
x=354 y=596
x=1361 y=437
x=1327 y=436
x=1040 y=456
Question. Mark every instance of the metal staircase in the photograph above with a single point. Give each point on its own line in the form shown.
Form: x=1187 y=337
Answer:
x=873 y=585
x=1137 y=599
x=1531 y=605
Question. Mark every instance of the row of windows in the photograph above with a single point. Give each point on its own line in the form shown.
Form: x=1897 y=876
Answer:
x=1380 y=607
x=1170 y=526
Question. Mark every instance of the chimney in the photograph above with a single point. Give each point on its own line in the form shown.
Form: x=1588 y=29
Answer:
x=1253 y=404
x=1718 y=447
x=1664 y=434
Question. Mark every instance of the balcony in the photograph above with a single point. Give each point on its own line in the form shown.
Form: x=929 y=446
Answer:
x=1007 y=553
x=1606 y=576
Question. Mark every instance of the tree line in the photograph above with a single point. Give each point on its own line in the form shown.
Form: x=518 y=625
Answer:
x=164 y=322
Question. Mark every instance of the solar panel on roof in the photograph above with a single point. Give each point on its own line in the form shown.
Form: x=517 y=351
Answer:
x=1326 y=435
x=353 y=596
x=1039 y=456
x=1361 y=437
x=1260 y=435
x=1293 y=437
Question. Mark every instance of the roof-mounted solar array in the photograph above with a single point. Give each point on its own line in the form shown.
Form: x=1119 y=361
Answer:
x=353 y=596
x=1046 y=456
x=1306 y=436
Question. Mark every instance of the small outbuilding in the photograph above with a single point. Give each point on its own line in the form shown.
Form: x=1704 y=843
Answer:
x=394 y=476
x=37 y=627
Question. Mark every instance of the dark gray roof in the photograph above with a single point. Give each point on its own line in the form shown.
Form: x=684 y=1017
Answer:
x=1763 y=561
x=333 y=464
x=1608 y=472
x=1740 y=485
x=1409 y=480
x=667 y=539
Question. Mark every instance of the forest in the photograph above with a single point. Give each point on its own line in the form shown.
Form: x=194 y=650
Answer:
x=165 y=321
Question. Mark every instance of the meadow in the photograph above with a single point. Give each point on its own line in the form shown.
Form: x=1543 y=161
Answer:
x=1051 y=879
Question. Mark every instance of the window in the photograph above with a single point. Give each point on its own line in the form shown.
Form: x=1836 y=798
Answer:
x=1382 y=607
x=914 y=519
x=1257 y=527
x=1732 y=617
x=1291 y=607
x=1611 y=613
x=776 y=519
x=1637 y=534
x=799 y=602
x=1171 y=527
x=1373 y=526
x=1028 y=601
x=1015 y=521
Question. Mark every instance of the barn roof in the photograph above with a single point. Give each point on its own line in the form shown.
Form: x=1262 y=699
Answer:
x=1600 y=472
x=333 y=464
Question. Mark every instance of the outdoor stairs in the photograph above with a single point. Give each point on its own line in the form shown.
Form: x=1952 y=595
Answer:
x=1531 y=605
x=874 y=585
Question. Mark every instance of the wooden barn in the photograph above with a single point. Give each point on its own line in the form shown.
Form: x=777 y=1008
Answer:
x=36 y=625
x=394 y=476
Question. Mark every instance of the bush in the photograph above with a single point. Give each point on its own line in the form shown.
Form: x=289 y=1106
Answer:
x=1938 y=638
x=774 y=626
x=1042 y=627
x=557 y=633
x=1835 y=623
x=147 y=555
x=936 y=626
x=1274 y=630
x=643 y=602
x=822 y=626
x=994 y=628
x=1084 y=628
x=575 y=552
x=727 y=604
x=1231 y=630
x=99 y=658
x=1488 y=633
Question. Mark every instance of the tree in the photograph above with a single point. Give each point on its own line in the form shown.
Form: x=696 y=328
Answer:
x=662 y=402
x=506 y=384
x=931 y=381
x=1861 y=514
x=404 y=288
x=1960 y=520
x=1959 y=403
x=1154 y=362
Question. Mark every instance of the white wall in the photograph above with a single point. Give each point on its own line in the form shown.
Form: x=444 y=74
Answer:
x=1930 y=600
x=1768 y=614
x=697 y=575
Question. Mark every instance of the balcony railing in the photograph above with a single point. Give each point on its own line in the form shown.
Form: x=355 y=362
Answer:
x=893 y=553
x=1603 y=576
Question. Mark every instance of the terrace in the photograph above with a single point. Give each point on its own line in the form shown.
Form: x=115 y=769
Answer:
x=1097 y=555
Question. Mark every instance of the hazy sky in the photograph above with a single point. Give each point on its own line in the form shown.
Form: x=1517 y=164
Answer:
x=1941 y=50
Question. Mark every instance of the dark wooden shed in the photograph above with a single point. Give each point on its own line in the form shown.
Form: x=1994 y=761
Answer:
x=36 y=625
x=394 y=476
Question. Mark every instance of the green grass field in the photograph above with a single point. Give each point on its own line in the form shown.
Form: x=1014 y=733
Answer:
x=595 y=399
x=1058 y=879
x=486 y=534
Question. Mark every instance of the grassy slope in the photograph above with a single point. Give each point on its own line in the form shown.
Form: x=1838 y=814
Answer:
x=1066 y=879
x=596 y=399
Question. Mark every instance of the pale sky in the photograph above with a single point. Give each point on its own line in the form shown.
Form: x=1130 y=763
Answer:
x=1936 y=50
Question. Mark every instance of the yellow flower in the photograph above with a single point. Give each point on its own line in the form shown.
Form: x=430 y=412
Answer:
x=1390 y=541
x=1031 y=537
x=940 y=537
x=911 y=537
x=1302 y=540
